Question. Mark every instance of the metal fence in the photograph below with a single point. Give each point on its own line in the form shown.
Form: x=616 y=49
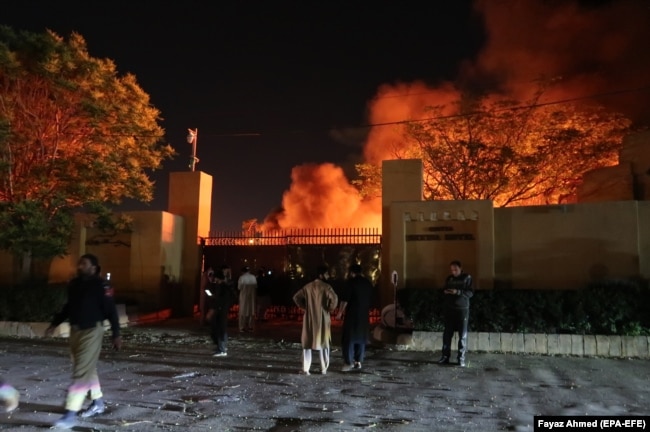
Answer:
x=319 y=236
x=289 y=258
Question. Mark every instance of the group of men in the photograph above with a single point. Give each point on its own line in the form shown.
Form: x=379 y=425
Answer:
x=90 y=302
x=317 y=298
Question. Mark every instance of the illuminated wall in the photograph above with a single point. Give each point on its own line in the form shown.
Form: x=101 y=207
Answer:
x=567 y=246
x=554 y=247
x=190 y=196
x=144 y=265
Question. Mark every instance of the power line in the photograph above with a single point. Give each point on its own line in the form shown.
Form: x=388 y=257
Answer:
x=398 y=122
x=450 y=116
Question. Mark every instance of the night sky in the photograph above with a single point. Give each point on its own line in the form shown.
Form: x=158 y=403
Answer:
x=290 y=72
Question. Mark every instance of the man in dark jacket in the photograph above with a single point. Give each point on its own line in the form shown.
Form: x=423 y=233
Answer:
x=89 y=303
x=221 y=296
x=355 y=304
x=457 y=292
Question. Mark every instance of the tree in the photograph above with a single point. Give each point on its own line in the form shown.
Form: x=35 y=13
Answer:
x=72 y=132
x=509 y=153
x=369 y=181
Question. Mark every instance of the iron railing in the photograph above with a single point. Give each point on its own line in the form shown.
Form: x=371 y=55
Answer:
x=314 y=236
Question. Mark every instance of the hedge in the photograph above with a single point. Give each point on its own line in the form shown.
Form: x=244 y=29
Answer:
x=606 y=308
x=34 y=301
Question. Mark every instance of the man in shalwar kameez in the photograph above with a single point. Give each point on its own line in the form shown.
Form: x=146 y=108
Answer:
x=318 y=300
x=247 y=286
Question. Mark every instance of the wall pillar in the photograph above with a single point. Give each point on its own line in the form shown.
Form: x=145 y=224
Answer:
x=190 y=196
x=401 y=181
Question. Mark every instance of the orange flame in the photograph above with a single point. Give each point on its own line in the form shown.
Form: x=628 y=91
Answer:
x=588 y=49
x=320 y=196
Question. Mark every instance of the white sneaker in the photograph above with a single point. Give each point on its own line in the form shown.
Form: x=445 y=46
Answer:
x=220 y=354
x=9 y=397
x=357 y=365
x=347 y=368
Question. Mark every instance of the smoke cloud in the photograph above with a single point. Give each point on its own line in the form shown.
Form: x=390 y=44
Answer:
x=588 y=49
x=585 y=50
x=321 y=196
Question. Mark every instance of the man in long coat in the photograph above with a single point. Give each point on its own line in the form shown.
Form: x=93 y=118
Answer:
x=247 y=286
x=318 y=299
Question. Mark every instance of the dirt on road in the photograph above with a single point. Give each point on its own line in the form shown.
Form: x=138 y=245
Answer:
x=165 y=379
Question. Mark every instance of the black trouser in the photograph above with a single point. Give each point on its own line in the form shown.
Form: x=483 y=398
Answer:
x=219 y=329
x=455 y=321
x=354 y=349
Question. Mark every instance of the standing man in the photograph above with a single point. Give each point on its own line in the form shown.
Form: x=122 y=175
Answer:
x=457 y=292
x=89 y=304
x=355 y=304
x=317 y=299
x=206 y=278
x=263 y=293
x=247 y=286
x=220 y=298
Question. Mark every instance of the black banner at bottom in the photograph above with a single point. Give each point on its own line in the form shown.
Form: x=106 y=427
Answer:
x=590 y=423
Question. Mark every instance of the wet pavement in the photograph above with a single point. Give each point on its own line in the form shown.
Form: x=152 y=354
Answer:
x=165 y=379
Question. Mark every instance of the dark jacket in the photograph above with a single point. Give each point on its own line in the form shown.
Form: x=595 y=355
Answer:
x=463 y=283
x=89 y=302
x=223 y=296
x=358 y=294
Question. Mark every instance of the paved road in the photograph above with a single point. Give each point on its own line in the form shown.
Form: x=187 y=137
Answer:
x=166 y=380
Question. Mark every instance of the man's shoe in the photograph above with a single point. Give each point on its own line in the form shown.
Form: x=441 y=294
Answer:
x=461 y=362
x=68 y=421
x=220 y=354
x=443 y=360
x=347 y=368
x=95 y=408
x=9 y=397
x=357 y=365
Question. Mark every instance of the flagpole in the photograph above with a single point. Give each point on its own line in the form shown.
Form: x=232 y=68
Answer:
x=192 y=137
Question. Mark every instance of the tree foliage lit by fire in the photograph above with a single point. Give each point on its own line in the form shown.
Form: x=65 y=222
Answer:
x=507 y=152
x=72 y=133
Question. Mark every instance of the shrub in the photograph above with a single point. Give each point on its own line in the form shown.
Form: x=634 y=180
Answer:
x=610 y=308
x=33 y=301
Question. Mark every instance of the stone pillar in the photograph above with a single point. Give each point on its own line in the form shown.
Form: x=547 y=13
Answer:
x=190 y=196
x=402 y=180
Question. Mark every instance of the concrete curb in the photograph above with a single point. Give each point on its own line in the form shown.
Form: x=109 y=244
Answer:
x=522 y=343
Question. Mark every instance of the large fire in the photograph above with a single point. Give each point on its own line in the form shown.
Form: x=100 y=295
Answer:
x=321 y=196
x=588 y=50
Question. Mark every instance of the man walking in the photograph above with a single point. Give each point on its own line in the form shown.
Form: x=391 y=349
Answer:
x=355 y=305
x=318 y=299
x=457 y=292
x=89 y=304
x=247 y=286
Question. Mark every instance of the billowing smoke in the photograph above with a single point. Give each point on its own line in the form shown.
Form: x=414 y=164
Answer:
x=320 y=196
x=395 y=103
x=584 y=50
x=587 y=49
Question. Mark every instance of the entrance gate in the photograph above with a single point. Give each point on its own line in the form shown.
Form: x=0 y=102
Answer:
x=289 y=258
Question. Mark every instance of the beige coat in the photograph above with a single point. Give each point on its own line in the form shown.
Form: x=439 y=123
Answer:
x=318 y=299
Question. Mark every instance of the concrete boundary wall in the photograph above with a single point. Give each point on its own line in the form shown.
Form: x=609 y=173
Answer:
x=37 y=329
x=524 y=343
